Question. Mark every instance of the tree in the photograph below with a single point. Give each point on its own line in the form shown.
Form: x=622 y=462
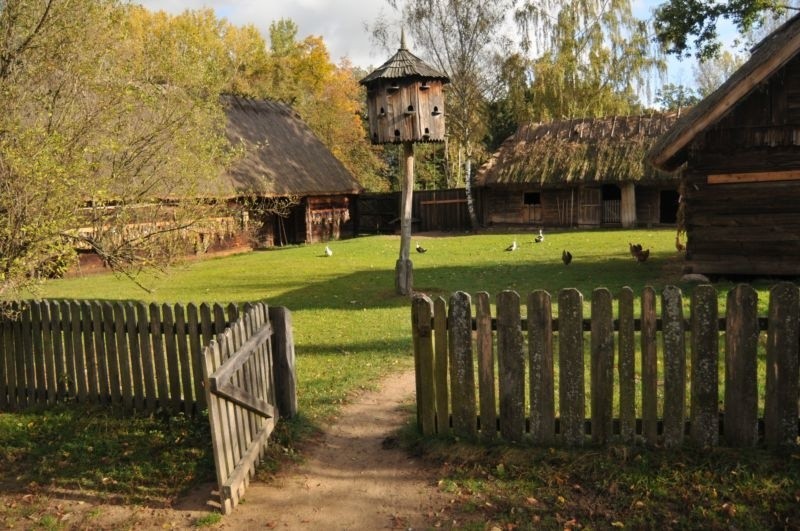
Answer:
x=590 y=57
x=678 y=21
x=711 y=73
x=100 y=143
x=672 y=97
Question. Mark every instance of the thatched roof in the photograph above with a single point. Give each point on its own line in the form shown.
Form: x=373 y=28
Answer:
x=769 y=56
x=282 y=156
x=404 y=64
x=579 y=150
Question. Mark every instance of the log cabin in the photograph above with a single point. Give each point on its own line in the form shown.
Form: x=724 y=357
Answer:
x=738 y=152
x=282 y=158
x=586 y=172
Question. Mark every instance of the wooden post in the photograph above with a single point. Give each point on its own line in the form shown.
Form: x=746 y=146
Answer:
x=485 y=347
x=422 y=316
x=704 y=409
x=780 y=408
x=571 y=390
x=627 y=367
x=540 y=353
x=741 y=351
x=442 y=391
x=404 y=278
x=283 y=359
x=627 y=205
x=511 y=366
x=462 y=377
x=649 y=367
x=602 y=366
x=674 y=366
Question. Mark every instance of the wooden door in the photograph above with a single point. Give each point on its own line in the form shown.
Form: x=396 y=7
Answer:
x=591 y=206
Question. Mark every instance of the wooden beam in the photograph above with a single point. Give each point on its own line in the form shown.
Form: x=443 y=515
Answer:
x=754 y=177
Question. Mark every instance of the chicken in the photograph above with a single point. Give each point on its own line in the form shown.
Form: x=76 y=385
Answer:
x=642 y=256
x=635 y=249
x=566 y=257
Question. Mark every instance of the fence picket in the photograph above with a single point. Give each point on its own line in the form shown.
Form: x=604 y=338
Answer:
x=48 y=338
x=674 y=366
x=780 y=406
x=137 y=375
x=27 y=344
x=101 y=360
x=511 y=366
x=462 y=377
x=148 y=358
x=421 y=312
x=627 y=367
x=649 y=367
x=704 y=408
x=741 y=349
x=183 y=360
x=196 y=354
x=19 y=356
x=70 y=380
x=79 y=358
x=442 y=389
x=7 y=378
x=540 y=353
x=112 y=354
x=159 y=356
x=602 y=366
x=123 y=357
x=570 y=367
x=88 y=352
x=40 y=389
x=173 y=366
x=486 y=376
x=60 y=367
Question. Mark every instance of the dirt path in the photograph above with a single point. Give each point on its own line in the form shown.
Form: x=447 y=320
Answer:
x=354 y=478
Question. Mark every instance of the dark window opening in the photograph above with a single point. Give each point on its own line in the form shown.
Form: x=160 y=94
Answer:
x=532 y=198
x=668 y=210
x=611 y=192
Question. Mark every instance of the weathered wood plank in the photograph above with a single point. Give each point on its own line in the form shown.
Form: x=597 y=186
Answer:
x=8 y=378
x=159 y=356
x=62 y=375
x=123 y=357
x=486 y=376
x=171 y=353
x=36 y=355
x=70 y=380
x=540 y=354
x=235 y=424
x=48 y=338
x=442 y=389
x=185 y=363
x=649 y=367
x=137 y=377
x=19 y=356
x=571 y=390
x=627 y=367
x=602 y=366
x=704 y=408
x=783 y=344
x=462 y=377
x=674 y=366
x=283 y=369
x=76 y=337
x=112 y=354
x=196 y=354
x=89 y=353
x=511 y=366
x=214 y=417
x=101 y=356
x=421 y=311
x=741 y=349
x=148 y=361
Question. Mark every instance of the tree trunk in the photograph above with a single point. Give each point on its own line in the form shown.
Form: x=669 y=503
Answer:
x=473 y=219
x=403 y=268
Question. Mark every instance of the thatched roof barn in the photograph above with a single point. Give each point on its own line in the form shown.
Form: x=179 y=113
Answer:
x=739 y=152
x=586 y=171
x=283 y=158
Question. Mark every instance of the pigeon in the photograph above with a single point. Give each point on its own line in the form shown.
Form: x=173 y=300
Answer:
x=512 y=247
x=421 y=249
x=328 y=251
x=540 y=237
x=566 y=257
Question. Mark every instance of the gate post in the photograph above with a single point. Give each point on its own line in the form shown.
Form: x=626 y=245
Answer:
x=283 y=358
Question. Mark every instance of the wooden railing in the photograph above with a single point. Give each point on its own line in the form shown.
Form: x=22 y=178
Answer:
x=522 y=369
x=131 y=356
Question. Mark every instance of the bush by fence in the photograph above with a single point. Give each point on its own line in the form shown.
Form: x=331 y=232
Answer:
x=450 y=401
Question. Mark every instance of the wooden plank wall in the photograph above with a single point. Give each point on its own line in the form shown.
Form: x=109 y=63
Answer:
x=130 y=356
x=515 y=353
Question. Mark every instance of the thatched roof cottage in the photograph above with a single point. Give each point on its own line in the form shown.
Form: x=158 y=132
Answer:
x=587 y=172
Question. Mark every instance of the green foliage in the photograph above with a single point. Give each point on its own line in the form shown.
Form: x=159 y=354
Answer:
x=684 y=25
x=672 y=97
x=712 y=72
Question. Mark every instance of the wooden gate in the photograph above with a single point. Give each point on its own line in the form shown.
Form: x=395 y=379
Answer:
x=240 y=391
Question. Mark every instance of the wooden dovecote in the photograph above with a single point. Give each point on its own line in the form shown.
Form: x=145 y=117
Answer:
x=405 y=100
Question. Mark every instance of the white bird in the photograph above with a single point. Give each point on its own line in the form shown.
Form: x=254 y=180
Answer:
x=540 y=237
x=328 y=251
x=512 y=247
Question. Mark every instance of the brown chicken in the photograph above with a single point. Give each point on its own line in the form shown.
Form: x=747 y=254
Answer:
x=642 y=256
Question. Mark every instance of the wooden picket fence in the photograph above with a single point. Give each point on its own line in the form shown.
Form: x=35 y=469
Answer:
x=126 y=355
x=451 y=402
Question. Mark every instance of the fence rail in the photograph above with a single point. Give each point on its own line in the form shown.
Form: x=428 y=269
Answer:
x=515 y=395
x=132 y=356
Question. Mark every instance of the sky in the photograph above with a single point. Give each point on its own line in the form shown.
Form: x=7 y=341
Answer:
x=341 y=23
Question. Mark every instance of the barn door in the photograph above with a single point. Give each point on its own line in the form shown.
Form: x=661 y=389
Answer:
x=591 y=206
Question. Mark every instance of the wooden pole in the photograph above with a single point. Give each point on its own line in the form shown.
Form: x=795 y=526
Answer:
x=404 y=269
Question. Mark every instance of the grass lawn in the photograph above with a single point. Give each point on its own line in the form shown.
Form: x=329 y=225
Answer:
x=350 y=328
